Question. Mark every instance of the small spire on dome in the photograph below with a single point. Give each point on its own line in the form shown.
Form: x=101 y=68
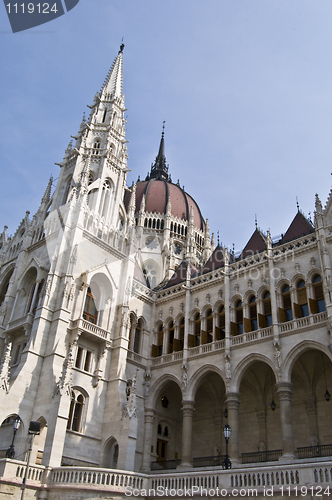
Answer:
x=159 y=169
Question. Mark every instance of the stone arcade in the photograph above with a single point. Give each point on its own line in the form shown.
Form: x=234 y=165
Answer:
x=132 y=338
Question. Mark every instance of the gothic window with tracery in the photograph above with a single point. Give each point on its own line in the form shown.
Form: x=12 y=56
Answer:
x=96 y=147
x=150 y=275
x=105 y=202
x=76 y=411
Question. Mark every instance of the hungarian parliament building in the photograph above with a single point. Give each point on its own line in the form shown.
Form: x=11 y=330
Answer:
x=140 y=357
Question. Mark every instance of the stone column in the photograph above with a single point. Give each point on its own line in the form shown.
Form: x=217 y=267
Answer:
x=34 y=296
x=187 y=423
x=232 y=403
x=148 y=423
x=285 y=395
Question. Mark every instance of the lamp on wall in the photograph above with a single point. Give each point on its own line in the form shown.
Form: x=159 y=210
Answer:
x=227 y=464
x=10 y=453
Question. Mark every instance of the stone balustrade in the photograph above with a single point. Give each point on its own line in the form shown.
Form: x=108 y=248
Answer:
x=314 y=474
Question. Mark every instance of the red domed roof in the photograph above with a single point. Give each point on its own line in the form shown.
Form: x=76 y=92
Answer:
x=158 y=191
x=158 y=188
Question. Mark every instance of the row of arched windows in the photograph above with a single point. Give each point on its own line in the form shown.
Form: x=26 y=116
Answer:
x=245 y=317
x=153 y=223
x=178 y=229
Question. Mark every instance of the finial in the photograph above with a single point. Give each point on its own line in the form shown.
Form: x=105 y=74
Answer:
x=218 y=237
x=256 y=220
x=121 y=46
x=163 y=132
x=297 y=204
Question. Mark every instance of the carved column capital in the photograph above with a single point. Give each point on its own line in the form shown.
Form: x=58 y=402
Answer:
x=188 y=408
x=232 y=400
x=284 y=391
x=149 y=415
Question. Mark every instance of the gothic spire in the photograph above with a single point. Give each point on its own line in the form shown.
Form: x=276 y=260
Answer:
x=160 y=170
x=47 y=193
x=114 y=78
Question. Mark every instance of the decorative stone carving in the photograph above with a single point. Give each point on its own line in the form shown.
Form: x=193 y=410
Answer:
x=147 y=382
x=131 y=407
x=4 y=369
x=66 y=380
x=184 y=377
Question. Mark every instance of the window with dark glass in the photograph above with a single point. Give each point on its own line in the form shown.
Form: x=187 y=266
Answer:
x=267 y=311
x=209 y=325
x=220 y=329
x=318 y=304
x=90 y=311
x=75 y=412
x=239 y=317
x=285 y=312
x=170 y=337
x=197 y=329
x=137 y=337
x=301 y=308
x=253 y=313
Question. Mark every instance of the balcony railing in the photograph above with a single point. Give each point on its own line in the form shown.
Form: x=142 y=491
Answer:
x=81 y=479
x=312 y=319
x=261 y=456
x=315 y=451
x=90 y=329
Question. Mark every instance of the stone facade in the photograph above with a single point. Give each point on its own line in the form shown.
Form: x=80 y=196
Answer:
x=133 y=339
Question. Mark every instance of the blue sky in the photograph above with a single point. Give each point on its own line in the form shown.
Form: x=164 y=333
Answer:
x=245 y=87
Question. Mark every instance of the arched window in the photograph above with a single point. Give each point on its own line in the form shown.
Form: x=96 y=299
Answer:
x=105 y=201
x=197 y=329
x=317 y=305
x=96 y=147
x=181 y=334
x=104 y=115
x=220 y=329
x=301 y=308
x=137 y=337
x=285 y=312
x=170 y=337
x=65 y=196
x=75 y=412
x=267 y=311
x=253 y=314
x=150 y=273
x=4 y=287
x=160 y=340
x=90 y=311
x=237 y=327
x=209 y=328
x=157 y=349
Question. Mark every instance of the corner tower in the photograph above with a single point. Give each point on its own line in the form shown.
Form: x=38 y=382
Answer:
x=95 y=165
